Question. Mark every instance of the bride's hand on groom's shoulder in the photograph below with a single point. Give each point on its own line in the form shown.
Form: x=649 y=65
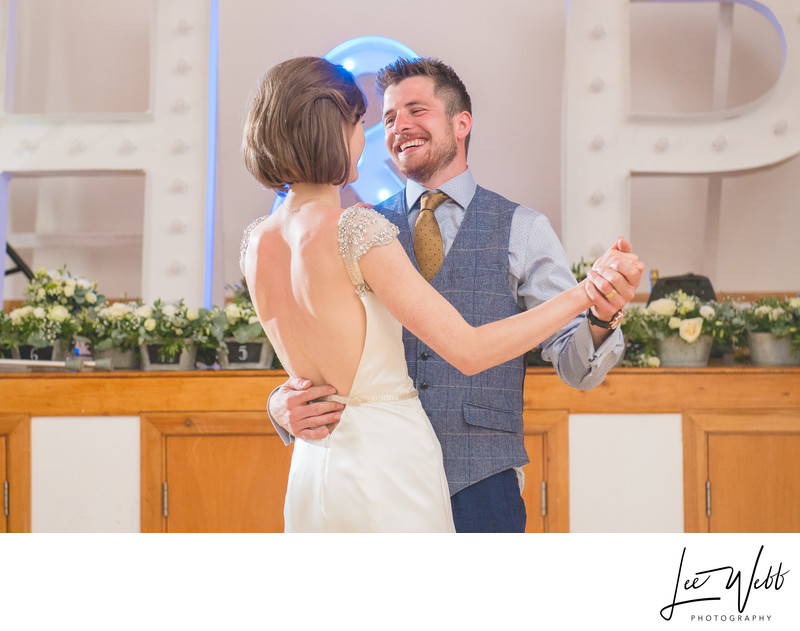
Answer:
x=294 y=407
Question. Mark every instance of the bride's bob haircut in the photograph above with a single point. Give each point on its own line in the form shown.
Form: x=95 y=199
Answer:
x=298 y=127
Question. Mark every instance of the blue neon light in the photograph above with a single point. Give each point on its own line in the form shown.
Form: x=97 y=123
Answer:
x=366 y=55
x=211 y=159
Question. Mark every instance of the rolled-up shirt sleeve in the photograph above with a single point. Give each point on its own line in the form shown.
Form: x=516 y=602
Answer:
x=538 y=270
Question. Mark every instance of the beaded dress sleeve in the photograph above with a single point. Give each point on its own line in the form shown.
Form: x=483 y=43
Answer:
x=361 y=229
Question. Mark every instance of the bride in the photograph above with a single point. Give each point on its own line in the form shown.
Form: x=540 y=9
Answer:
x=333 y=289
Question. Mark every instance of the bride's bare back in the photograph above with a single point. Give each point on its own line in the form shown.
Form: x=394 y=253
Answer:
x=303 y=296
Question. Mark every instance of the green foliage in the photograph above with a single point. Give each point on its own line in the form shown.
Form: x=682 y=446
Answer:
x=112 y=326
x=172 y=325
x=779 y=316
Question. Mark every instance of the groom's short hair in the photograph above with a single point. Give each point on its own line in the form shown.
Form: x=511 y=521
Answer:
x=297 y=123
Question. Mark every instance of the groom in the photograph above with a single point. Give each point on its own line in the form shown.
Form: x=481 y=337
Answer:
x=497 y=259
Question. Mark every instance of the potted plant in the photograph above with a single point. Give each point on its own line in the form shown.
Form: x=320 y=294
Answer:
x=730 y=334
x=684 y=328
x=167 y=335
x=244 y=344
x=641 y=346
x=42 y=332
x=5 y=335
x=61 y=288
x=773 y=326
x=111 y=331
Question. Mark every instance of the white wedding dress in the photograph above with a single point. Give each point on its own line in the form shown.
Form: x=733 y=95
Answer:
x=381 y=469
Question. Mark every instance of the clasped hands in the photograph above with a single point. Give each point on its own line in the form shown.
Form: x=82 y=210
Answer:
x=613 y=279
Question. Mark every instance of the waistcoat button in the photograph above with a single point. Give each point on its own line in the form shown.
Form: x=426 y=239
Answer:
x=425 y=356
x=423 y=386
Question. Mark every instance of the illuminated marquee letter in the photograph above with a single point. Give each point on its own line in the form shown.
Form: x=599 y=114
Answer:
x=604 y=144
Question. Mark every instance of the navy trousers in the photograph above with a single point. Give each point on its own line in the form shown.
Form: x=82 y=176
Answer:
x=491 y=505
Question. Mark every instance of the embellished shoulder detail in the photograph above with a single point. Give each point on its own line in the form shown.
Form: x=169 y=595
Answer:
x=246 y=240
x=360 y=230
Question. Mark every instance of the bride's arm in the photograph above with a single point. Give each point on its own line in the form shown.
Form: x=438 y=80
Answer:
x=430 y=317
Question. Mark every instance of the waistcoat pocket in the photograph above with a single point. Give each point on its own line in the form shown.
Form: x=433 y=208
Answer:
x=492 y=418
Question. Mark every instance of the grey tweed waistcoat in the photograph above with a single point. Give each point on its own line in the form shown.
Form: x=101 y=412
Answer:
x=478 y=419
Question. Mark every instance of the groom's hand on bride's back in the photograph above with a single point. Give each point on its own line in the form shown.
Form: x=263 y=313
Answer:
x=295 y=408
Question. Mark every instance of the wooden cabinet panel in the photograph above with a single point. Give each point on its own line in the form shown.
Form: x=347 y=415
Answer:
x=224 y=472
x=15 y=468
x=226 y=483
x=547 y=443
x=3 y=480
x=534 y=476
x=755 y=482
x=742 y=471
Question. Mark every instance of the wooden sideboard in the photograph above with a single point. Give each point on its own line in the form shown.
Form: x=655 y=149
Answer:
x=211 y=428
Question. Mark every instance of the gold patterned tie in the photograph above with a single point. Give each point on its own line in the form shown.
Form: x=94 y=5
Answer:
x=427 y=237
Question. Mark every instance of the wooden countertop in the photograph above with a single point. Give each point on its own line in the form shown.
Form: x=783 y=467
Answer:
x=625 y=390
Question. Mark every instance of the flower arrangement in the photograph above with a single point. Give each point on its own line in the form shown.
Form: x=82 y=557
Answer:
x=781 y=317
x=115 y=325
x=678 y=315
x=170 y=325
x=61 y=288
x=682 y=315
x=39 y=326
x=641 y=348
x=241 y=321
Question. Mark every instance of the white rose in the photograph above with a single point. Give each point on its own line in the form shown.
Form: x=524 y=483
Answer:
x=179 y=331
x=192 y=314
x=39 y=312
x=794 y=303
x=764 y=311
x=653 y=362
x=118 y=309
x=690 y=329
x=776 y=313
x=675 y=323
x=687 y=304
x=707 y=312
x=170 y=311
x=144 y=311
x=69 y=289
x=149 y=324
x=663 y=307
x=232 y=312
x=18 y=314
x=58 y=313
x=83 y=283
x=41 y=293
x=91 y=298
x=252 y=320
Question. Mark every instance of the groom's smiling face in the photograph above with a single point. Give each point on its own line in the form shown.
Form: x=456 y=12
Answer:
x=420 y=137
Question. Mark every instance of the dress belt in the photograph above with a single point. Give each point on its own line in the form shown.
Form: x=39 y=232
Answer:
x=375 y=398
